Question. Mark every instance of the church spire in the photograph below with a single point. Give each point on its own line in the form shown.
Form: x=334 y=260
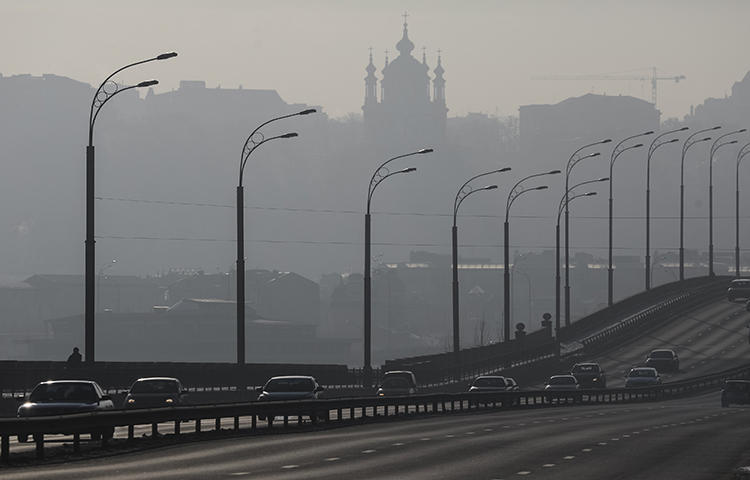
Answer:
x=405 y=46
x=371 y=83
x=439 y=82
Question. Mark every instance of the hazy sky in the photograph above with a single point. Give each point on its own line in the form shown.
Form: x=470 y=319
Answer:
x=315 y=51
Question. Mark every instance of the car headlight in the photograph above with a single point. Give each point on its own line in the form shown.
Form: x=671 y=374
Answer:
x=169 y=400
x=596 y=379
x=131 y=401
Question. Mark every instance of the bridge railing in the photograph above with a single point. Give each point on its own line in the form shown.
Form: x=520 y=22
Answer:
x=356 y=409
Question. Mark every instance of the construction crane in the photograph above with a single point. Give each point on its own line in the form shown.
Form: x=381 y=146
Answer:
x=652 y=76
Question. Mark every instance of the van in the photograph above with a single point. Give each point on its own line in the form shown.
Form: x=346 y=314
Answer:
x=398 y=383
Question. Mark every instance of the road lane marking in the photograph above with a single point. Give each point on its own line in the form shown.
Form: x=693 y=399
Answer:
x=239 y=474
x=289 y=467
x=488 y=429
x=368 y=451
x=548 y=465
x=602 y=443
x=585 y=449
x=397 y=444
x=332 y=459
x=449 y=436
x=523 y=472
x=569 y=457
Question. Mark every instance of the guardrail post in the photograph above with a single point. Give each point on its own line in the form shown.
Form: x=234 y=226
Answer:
x=76 y=442
x=131 y=433
x=197 y=425
x=5 y=449
x=39 y=439
x=154 y=430
x=217 y=425
x=253 y=422
x=176 y=427
x=237 y=422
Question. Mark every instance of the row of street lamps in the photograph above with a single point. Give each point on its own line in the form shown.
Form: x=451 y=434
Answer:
x=109 y=89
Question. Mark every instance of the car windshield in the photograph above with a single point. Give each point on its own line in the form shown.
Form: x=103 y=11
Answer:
x=737 y=386
x=489 y=382
x=586 y=369
x=155 y=386
x=289 y=385
x=64 y=392
x=740 y=284
x=562 y=381
x=642 y=373
x=396 y=382
x=661 y=354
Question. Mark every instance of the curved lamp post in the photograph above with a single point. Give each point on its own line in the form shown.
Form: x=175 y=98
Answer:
x=689 y=142
x=616 y=152
x=380 y=174
x=566 y=198
x=106 y=91
x=714 y=148
x=572 y=162
x=463 y=192
x=514 y=193
x=254 y=140
x=655 y=144
x=744 y=151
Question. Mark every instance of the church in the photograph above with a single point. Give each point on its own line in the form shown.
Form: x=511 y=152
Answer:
x=409 y=111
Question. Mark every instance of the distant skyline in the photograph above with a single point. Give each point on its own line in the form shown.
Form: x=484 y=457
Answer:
x=316 y=52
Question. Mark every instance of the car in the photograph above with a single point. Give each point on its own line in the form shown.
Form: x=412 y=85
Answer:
x=642 y=377
x=735 y=391
x=562 y=383
x=59 y=397
x=589 y=375
x=288 y=387
x=155 y=392
x=663 y=360
x=397 y=383
x=738 y=288
x=489 y=383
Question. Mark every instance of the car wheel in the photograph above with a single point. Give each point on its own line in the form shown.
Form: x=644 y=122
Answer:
x=23 y=438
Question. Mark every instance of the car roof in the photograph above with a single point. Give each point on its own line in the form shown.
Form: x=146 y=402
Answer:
x=292 y=376
x=52 y=382
x=662 y=350
x=562 y=376
x=148 y=379
x=644 y=368
x=586 y=363
x=399 y=372
x=490 y=376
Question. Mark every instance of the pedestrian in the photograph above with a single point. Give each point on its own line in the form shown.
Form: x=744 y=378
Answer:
x=74 y=359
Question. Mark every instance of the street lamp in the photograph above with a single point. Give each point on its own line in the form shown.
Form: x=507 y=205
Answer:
x=616 y=152
x=572 y=162
x=463 y=192
x=689 y=142
x=562 y=206
x=514 y=193
x=744 y=151
x=714 y=148
x=104 y=93
x=380 y=174
x=655 y=144
x=254 y=140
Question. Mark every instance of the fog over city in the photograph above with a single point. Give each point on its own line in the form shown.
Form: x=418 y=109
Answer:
x=486 y=84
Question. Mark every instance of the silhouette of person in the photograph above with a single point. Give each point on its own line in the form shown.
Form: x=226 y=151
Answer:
x=74 y=359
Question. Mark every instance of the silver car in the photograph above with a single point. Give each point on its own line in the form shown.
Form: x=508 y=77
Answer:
x=642 y=377
x=562 y=383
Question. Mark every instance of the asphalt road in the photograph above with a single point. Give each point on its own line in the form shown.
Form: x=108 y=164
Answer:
x=686 y=439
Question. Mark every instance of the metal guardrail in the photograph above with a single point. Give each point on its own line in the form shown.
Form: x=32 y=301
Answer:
x=332 y=411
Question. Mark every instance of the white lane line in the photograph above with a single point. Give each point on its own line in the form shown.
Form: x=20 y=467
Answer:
x=488 y=429
x=569 y=457
x=615 y=439
x=523 y=472
x=449 y=436
x=331 y=459
x=424 y=439
x=239 y=474
x=397 y=444
x=602 y=443
x=368 y=451
x=626 y=436
x=585 y=449
x=469 y=433
x=548 y=465
x=289 y=467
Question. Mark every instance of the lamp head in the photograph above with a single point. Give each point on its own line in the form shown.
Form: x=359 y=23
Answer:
x=705 y=139
x=504 y=169
x=606 y=141
x=683 y=129
x=742 y=130
x=289 y=135
x=425 y=150
x=589 y=194
x=603 y=179
x=637 y=145
x=729 y=143
x=541 y=187
x=147 y=83
x=595 y=154
x=409 y=170
x=552 y=172
x=165 y=56
x=673 y=140
x=650 y=132
x=716 y=127
x=307 y=112
x=490 y=187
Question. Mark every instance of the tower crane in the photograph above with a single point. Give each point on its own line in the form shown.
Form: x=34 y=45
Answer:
x=652 y=77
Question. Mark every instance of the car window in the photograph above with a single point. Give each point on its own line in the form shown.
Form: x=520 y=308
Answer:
x=290 y=385
x=489 y=382
x=740 y=283
x=155 y=386
x=562 y=381
x=64 y=392
x=661 y=354
x=586 y=369
x=396 y=382
x=642 y=373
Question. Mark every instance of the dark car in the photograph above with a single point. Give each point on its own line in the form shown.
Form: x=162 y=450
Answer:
x=155 y=392
x=67 y=396
x=489 y=383
x=398 y=382
x=512 y=385
x=291 y=387
x=562 y=383
x=663 y=360
x=642 y=377
x=739 y=288
x=735 y=391
x=589 y=375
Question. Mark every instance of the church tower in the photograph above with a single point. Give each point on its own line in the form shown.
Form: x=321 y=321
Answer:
x=405 y=114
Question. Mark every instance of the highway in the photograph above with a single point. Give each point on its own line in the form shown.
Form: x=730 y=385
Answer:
x=687 y=439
